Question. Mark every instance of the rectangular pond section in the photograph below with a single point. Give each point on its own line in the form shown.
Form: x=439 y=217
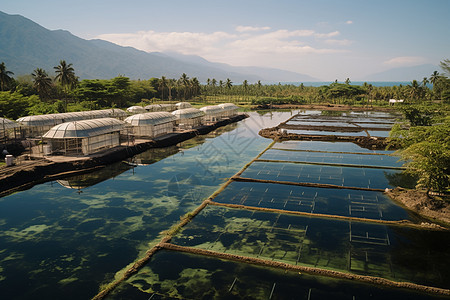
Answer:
x=333 y=158
x=341 y=202
x=175 y=275
x=319 y=174
x=326 y=147
x=392 y=252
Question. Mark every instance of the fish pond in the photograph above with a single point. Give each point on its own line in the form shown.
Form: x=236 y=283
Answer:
x=301 y=203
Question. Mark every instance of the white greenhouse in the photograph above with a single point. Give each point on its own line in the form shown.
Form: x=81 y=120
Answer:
x=161 y=107
x=182 y=105
x=36 y=126
x=82 y=137
x=188 y=118
x=151 y=124
x=230 y=110
x=136 y=110
x=7 y=128
x=213 y=113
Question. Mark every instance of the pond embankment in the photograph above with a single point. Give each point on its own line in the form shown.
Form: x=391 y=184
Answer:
x=29 y=173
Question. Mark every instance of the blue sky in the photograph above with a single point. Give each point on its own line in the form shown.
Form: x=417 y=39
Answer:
x=322 y=38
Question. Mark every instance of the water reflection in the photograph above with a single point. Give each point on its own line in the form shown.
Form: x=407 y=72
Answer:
x=80 y=182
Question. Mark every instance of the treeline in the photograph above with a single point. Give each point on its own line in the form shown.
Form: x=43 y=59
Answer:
x=40 y=93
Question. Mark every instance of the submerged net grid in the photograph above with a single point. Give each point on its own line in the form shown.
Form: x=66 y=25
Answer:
x=313 y=213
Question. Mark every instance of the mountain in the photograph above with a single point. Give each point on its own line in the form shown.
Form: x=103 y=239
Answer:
x=269 y=74
x=25 y=46
x=404 y=73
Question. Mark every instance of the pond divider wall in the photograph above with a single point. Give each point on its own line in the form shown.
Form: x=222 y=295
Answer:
x=320 y=185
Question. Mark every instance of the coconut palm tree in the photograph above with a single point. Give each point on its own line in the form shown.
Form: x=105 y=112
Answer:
x=228 y=85
x=65 y=75
x=41 y=82
x=414 y=89
x=184 y=80
x=5 y=76
x=245 y=87
x=195 y=86
x=434 y=77
x=162 y=86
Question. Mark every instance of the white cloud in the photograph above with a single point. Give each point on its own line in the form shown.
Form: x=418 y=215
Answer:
x=344 y=42
x=327 y=35
x=251 y=28
x=260 y=46
x=183 y=42
x=403 y=61
x=349 y=22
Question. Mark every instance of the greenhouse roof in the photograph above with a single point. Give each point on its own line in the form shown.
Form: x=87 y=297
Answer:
x=54 y=119
x=188 y=113
x=212 y=109
x=136 y=109
x=228 y=106
x=84 y=128
x=7 y=124
x=151 y=118
x=160 y=107
x=181 y=105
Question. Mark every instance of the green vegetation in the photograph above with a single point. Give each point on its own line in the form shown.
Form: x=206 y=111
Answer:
x=40 y=93
x=425 y=144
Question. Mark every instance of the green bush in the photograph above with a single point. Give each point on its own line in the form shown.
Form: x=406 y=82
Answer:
x=278 y=101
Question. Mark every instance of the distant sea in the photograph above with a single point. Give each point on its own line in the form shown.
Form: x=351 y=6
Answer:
x=373 y=83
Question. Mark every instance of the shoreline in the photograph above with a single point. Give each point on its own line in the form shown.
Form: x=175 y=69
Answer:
x=437 y=211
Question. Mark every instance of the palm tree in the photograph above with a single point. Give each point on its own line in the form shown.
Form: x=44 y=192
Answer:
x=5 y=76
x=213 y=84
x=245 y=86
x=434 y=77
x=184 y=79
x=228 y=85
x=414 y=89
x=195 y=86
x=41 y=82
x=221 y=84
x=65 y=75
x=445 y=65
x=162 y=86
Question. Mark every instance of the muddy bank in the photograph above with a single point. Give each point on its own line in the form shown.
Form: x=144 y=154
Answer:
x=369 y=142
x=29 y=173
x=434 y=209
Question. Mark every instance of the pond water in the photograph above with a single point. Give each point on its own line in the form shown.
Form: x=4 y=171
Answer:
x=65 y=239
x=335 y=175
x=172 y=275
x=347 y=246
x=59 y=242
x=333 y=158
x=327 y=147
x=341 y=202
